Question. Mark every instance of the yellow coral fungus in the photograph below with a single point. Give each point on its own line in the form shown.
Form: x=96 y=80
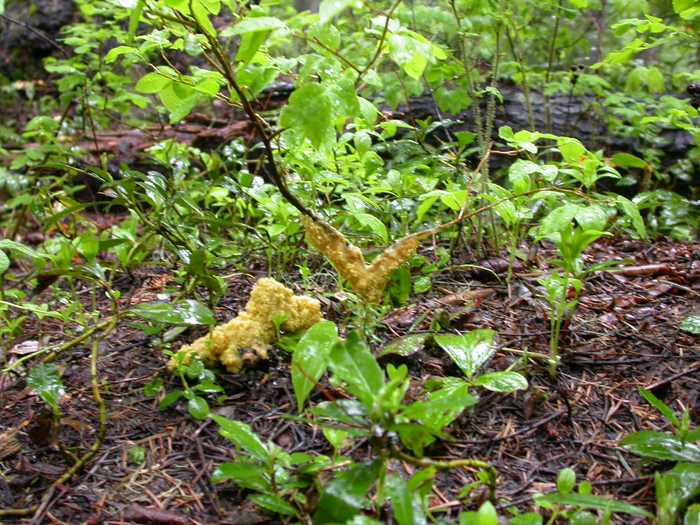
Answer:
x=254 y=327
x=368 y=281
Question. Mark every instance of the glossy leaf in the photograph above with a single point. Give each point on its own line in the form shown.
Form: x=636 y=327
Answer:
x=469 y=351
x=187 y=312
x=273 y=503
x=198 y=408
x=243 y=436
x=354 y=363
x=505 y=382
x=401 y=502
x=405 y=346
x=46 y=381
x=657 y=445
x=310 y=358
x=566 y=481
x=691 y=325
x=246 y=475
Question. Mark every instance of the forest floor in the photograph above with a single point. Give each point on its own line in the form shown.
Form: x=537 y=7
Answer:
x=625 y=334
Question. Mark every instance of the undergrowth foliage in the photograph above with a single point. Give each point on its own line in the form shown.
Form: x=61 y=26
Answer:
x=335 y=159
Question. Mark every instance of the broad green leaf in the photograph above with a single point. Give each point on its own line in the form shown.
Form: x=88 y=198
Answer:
x=4 y=262
x=46 y=381
x=354 y=363
x=502 y=382
x=692 y=515
x=469 y=351
x=353 y=486
x=689 y=324
x=400 y=500
x=245 y=475
x=572 y=150
x=410 y=54
x=628 y=161
x=404 y=346
x=2 y=6
x=399 y=288
x=187 y=312
x=632 y=211
x=198 y=408
x=329 y=9
x=273 y=503
x=657 y=445
x=152 y=83
x=486 y=515
x=592 y=217
x=243 y=436
x=310 y=358
x=558 y=219
x=374 y=224
x=12 y=245
x=566 y=481
x=152 y=388
x=310 y=112
x=253 y=24
x=116 y=52
x=595 y=502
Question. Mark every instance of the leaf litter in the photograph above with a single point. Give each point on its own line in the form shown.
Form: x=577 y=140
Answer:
x=626 y=332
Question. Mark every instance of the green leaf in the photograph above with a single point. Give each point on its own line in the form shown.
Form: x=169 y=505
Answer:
x=572 y=150
x=353 y=486
x=353 y=362
x=487 y=515
x=632 y=211
x=310 y=358
x=504 y=382
x=245 y=475
x=374 y=224
x=198 y=408
x=253 y=24
x=170 y=399
x=4 y=262
x=595 y=502
x=152 y=83
x=656 y=445
x=628 y=161
x=410 y=54
x=273 y=503
x=152 y=388
x=400 y=500
x=404 y=346
x=592 y=217
x=399 y=288
x=529 y=518
x=557 y=220
x=329 y=9
x=660 y=406
x=187 y=312
x=12 y=245
x=46 y=381
x=689 y=324
x=692 y=515
x=310 y=112
x=243 y=436
x=566 y=481
x=469 y=351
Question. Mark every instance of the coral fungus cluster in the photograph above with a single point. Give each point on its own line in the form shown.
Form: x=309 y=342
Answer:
x=254 y=328
x=368 y=281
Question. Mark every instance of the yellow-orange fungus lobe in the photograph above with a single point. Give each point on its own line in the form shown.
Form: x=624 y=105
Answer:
x=254 y=327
